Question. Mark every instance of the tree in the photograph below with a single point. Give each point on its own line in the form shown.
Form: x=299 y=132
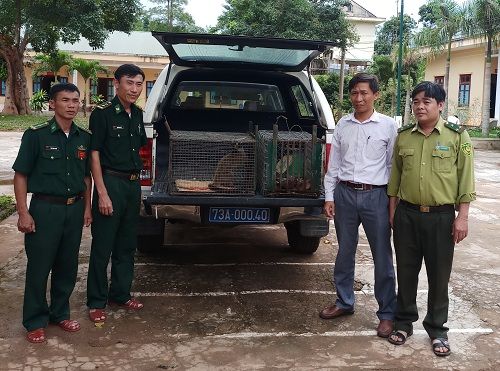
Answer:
x=293 y=19
x=41 y=24
x=388 y=35
x=169 y=16
x=483 y=21
x=88 y=70
x=443 y=20
x=52 y=62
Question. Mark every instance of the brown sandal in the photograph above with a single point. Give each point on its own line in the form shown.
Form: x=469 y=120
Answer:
x=133 y=304
x=69 y=325
x=97 y=315
x=36 y=336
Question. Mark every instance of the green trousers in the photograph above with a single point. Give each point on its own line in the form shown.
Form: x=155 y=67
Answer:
x=53 y=248
x=116 y=237
x=426 y=236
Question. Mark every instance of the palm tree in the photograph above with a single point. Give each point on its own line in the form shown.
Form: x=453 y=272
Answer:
x=447 y=21
x=52 y=62
x=88 y=69
x=483 y=21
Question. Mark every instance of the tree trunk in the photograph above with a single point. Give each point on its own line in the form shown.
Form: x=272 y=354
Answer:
x=16 y=97
x=84 y=103
x=447 y=79
x=341 y=84
x=485 y=117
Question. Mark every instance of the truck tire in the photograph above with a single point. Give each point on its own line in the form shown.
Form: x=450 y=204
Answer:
x=149 y=243
x=298 y=243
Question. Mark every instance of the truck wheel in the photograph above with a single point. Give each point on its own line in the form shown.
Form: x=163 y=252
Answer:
x=149 y=243
x=299 y=243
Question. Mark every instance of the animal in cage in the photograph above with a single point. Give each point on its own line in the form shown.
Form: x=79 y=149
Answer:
x=289 y=162
x=210 y=162
x=229 y=174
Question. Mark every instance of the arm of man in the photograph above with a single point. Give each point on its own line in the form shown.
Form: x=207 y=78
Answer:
x=105 y=204
x=87 y=215
x=331 y=176
x=394 y=182
x=393 y=202
x=25 y=223
x=461 y=223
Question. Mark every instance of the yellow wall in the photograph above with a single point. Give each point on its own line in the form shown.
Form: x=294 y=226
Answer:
x=466 y=61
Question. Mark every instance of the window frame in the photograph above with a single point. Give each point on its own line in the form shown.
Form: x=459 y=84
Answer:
x=464 y=87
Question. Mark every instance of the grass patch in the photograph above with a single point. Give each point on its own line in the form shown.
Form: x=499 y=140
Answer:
x=7 y=206
x=23 y=122
x=475 y=132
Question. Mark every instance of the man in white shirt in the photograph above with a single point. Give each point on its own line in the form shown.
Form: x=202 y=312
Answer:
x=356 y=192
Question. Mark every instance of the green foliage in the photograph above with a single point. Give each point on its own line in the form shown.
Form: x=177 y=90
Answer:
x=295 y=19
x=88 y=69
x=167 y=15
x=52 y=62
x=23 y=122
x=97 y=99
x=39 y=101
x=330 y=84
x=7 y=206
x=383 y=68
x=388 y=34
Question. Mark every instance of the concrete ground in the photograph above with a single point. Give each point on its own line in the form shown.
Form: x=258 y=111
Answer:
x=236 y=298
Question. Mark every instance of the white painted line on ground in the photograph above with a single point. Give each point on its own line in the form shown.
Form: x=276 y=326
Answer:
x=370 y=333
x=243 y=264
x=248 y=292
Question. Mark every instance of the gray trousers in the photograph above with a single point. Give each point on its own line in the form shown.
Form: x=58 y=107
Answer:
x=371 y=209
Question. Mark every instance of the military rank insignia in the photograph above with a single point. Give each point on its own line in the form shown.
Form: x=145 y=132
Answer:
x=467 y=149
x=81 y=153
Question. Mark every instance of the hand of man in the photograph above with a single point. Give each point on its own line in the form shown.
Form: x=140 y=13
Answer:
x=105 y=205
x=329 y=209
x=460 y=229
x=87 y=217
x=25 y=223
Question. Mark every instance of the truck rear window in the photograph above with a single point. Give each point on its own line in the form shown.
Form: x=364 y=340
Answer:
x=206 y=95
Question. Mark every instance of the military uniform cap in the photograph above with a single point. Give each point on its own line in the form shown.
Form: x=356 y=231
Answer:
x=406 y=127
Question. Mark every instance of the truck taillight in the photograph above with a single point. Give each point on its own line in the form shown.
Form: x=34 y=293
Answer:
x=146 y=153
x=328 y=147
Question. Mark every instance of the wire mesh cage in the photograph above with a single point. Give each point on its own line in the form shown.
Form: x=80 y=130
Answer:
x=288 y=163
x=211 y=163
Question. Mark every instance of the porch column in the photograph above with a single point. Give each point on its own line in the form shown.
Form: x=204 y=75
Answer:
x=497 y=97
x=75 y=77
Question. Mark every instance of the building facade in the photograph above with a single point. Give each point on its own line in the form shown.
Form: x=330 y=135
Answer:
x=467 y=79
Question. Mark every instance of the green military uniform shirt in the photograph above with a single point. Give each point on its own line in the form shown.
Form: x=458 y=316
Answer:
x=118 y=136
x=433 y=170
x=54 y=164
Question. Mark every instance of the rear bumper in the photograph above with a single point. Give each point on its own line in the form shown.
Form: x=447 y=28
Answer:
x=189 y=209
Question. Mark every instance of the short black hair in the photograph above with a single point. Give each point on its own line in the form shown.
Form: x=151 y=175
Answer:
x=130 y=70
x=431 y=90
x=364 y=77
x=57 y=88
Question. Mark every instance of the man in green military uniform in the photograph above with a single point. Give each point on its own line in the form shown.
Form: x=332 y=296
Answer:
x=432 y=176
x=118 y=134
x=52 y=163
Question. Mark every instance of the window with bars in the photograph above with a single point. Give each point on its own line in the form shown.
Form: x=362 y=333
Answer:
x=439 y=80
x=3 y=87
x=37 y=84
x=93 y=87
x=464 y=90
x=149 y=86
x=63 y=79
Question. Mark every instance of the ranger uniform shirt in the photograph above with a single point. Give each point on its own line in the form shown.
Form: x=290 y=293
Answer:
x=118 y=136
x=54 y=163
x=433 y=170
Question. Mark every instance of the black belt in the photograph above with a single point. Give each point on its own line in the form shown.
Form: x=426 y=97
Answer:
x=122 y=174
x=361 y=186
x=428 y=209
x=58 y=199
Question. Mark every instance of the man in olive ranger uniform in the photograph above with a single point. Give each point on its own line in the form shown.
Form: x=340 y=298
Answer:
x=432 y=176
x=52 y=163
x=118 y=134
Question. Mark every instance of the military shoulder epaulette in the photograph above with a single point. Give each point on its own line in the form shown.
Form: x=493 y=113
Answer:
x=139 y=107
x=103 y=105
x=84 y=129
x=405 y=127
x=455 y=127
x=39 y=126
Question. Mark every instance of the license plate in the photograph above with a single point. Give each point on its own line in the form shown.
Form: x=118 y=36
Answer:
x=239 y=215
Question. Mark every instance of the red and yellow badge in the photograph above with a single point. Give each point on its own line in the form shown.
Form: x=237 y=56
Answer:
x=81 y=153
x=467 y=149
